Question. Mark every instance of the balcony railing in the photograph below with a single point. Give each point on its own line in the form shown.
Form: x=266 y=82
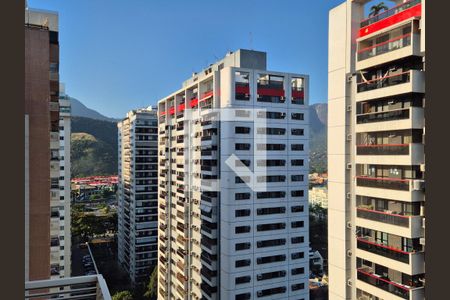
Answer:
x=384 y=284
x=383 y=182
x=385 y=47
x=384 y=217
x=388 y=13
x=385 y=81
x=83 y=287
x=393 y=115
x=383 y=250
x=384 y=149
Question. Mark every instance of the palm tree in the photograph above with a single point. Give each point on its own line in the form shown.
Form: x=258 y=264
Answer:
x=376 y=9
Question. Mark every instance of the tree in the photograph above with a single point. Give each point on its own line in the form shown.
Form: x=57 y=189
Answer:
x=123 y=295
x=152 y=284
x=376 y=9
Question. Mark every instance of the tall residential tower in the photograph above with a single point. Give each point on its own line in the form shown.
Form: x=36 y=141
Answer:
x=137 y=193
x=376 y=159
x=233 y=193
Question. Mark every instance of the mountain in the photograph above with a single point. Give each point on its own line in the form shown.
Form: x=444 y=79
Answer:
x=81 y=110
x=318 y=114
x=94 y=147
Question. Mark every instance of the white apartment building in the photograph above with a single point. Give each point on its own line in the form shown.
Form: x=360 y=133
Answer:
x=60 y=214
x=376 y=159
x=233 y=183
x=137 y=193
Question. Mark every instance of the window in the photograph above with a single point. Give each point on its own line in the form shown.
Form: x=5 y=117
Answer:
x=242 y=263
x=241 y=146
x=242 y=196
x=242 y=279
x=272 y=178
x=297 y=162
x=271 y=131
x=242 y=162
x=298 y=271
x=242 y=246
x=271 y=147
x=271 y=275
x=270 y=259
x=271 y=226
x=242 y=213
x=243 y=296
x=271 y=115
x=298 y=255
x=266 y=195
x=297 y=116
x=242 y=179
x=297 y=224
x=297 y=178
x=298 y=286
x=297 y=147
x=271 y=210
x=271 y=243
x=241 y=113
x=297 y=208
x=271 y=291
x=242 y=130
x=298 y=240
x=241 y=229
x=242 y=87
x=297 y=131
x=271 y=162
x=299 y=193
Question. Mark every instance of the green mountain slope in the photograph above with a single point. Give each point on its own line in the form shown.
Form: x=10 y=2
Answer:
x=94 y=147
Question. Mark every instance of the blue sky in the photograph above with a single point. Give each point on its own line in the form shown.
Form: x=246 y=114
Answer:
x=117 y=55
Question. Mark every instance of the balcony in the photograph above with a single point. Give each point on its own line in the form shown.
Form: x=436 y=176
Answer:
x=395 y=48
x=412 y=81
x=410 y=190
x=385 y=288
x=390 y=154
x=383 y=182
x=82 y=287
x=390 y=17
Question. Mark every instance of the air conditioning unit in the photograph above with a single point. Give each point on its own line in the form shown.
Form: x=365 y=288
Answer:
x=422 y=167
x=349 y=224
x=349 y=137
x=349 y=253
x=423 y=222
x=418 y=185
x=349 y=166
x=349 y=195
x=422 y=241
x=349 y=107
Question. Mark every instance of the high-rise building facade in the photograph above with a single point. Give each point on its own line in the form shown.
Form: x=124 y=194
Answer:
x=376 y=159
x=43 y=237
x=233 y=183
x=138 y=193
x=63 y=209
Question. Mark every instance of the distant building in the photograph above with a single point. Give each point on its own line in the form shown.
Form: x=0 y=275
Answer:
x=319 y=195
x=138 y=193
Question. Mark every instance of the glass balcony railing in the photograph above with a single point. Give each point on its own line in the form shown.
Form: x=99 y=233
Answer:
x=393 y=115
x=384 y=149
x=385 y=81
x=383 y=250
x=385 y=47
x=389 y=13
x=383 y=182
x=383 y=283
x=82 y=287
x=383 y=216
